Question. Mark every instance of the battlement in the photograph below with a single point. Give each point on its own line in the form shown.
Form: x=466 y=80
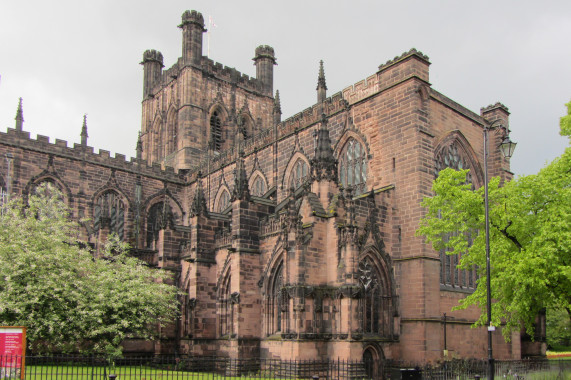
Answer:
x=152 y=55
x=192 y=17
x=412 y=52
x=265 y=51
x=22 y=140
x=495 y=106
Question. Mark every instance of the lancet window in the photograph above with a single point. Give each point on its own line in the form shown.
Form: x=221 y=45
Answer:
x=259 y=186
x=276 y=303
x=109 y=212
x=226 y=308
x=216 y=131
x=299 y=174
x=223 y=201
x=452 y=155
x=353 y=166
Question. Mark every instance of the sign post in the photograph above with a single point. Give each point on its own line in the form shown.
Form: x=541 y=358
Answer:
x=12 y=352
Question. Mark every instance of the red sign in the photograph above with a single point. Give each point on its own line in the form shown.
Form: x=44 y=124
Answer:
x=12 y=351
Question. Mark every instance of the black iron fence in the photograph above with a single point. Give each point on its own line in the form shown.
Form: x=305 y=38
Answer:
x=186 y=367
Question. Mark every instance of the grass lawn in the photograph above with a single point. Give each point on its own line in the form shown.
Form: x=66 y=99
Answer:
x=140 y=373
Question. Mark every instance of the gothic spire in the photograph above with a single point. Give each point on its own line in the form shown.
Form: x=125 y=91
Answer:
x=241 y=190
x=84 y=134
x=139 y=148
x=323 y=164
x=19 y=116
x=321 y=86
x=277 y=108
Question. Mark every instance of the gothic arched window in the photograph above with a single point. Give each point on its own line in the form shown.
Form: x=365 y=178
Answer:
x=109 y=212
x=223 y=201
x=158 y=217
x=216 y=131
x=171 y=139
x=453 y=155
x=259 y=187
x=298 y=174
x=353 y=166
x=276 y=302
x=375 y=303
x=226 y=305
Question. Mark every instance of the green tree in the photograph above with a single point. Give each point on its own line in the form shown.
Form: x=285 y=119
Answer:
x=530 y=238
x=68 y=299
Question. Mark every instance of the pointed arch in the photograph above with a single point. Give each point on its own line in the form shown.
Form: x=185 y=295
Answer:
x=171 y=141
x=377 y=301
x=258 y=183
x=246 y=125
x=225 y=302
x=49 y=177
x=454 y=151
x=110 y=211
x=297 y=171
x=161 y=211
x=217 y=120
x=222 y=199
x=352 y=156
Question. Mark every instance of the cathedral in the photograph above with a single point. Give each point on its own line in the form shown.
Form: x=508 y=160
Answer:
x=290 y=239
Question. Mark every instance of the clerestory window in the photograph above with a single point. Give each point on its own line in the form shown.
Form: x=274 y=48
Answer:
x=353 y=166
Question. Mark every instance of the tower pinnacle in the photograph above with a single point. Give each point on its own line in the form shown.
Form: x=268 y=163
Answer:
x=321 y=86
x=19 y=117
x=84 y=134
x=277 y=111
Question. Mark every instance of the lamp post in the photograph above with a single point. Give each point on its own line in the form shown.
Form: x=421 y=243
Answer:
x=507 y=147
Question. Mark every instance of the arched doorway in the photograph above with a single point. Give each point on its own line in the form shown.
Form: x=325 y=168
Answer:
x=373 y=362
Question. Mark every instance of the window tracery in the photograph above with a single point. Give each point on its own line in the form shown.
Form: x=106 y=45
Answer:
x=375 y=303
x=276 y=302
x=226 y=305
x=299 y=174
x=353 y=166
x=109 y=212
x=452 y=155
x=259 y=187
x=223 y=201
x=158 y=217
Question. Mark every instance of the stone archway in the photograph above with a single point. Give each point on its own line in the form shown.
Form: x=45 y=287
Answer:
x=373 y=361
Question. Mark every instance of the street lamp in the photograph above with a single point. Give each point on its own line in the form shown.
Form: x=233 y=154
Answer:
x=507 y=148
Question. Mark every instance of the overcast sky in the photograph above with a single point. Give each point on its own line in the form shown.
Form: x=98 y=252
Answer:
x=67 y=58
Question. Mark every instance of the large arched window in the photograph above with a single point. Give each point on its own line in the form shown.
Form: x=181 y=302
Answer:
x=353 y=166
x=216 y=131
x=453 y=155
x=109 y=212
x=376 y=303
x=299 y=174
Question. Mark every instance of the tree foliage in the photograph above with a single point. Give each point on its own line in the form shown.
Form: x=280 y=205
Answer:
x=530 y=238
x=68 y=299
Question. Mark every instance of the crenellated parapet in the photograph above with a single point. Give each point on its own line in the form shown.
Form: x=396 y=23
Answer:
x=22 y=140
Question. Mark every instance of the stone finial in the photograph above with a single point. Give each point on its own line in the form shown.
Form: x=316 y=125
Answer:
x=241 y=190
x=139 y=148
x=277 y=111
x=323 y=164
x=84 y=134
x=19 y=116
x=321 y=86
x=198 y=206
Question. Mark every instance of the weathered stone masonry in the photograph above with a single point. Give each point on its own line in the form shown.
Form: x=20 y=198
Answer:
x=290 y=239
